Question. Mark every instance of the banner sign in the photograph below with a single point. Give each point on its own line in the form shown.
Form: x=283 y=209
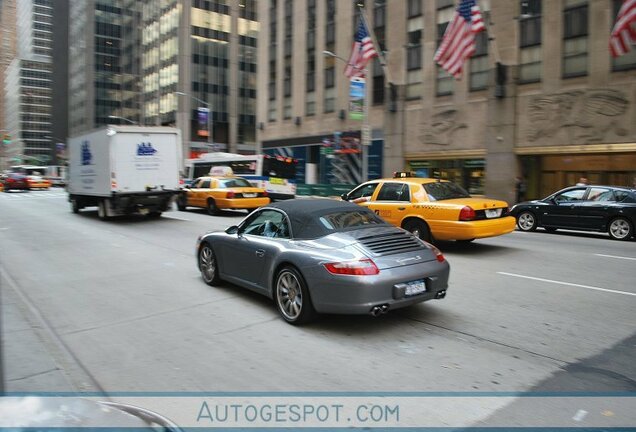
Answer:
x=356 y=98
x=203 y=121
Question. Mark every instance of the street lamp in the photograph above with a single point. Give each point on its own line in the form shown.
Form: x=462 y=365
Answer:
x=366 y=127
x=122 y=118
x=207 y=105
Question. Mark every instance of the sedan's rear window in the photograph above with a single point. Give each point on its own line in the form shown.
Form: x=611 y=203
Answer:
x=231 y=183
x=350 y=219
x=445 y=190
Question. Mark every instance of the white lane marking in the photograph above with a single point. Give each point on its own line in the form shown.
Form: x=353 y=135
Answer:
x=617 y=257
x=568 y=284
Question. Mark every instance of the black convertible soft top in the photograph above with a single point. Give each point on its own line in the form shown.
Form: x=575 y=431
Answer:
x=304 y=215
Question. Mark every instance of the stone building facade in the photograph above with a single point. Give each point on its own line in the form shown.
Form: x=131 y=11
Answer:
x=541 y=97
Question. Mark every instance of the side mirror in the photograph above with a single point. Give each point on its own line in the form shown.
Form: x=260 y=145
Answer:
x=232 y=230
x=344 y=197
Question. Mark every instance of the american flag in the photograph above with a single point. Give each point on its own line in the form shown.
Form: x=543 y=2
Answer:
x=362 y=51
x=624 y=32
x=458 y=43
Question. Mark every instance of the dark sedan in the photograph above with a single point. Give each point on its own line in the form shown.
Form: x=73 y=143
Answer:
x=585 y=208
x=324 y=256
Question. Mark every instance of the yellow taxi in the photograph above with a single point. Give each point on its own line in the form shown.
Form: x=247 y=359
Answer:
x=38 y=182
x=433 y=209
x=222 y=190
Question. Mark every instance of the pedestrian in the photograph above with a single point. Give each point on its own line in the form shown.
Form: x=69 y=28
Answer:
x=583 y=182
x=520 y=189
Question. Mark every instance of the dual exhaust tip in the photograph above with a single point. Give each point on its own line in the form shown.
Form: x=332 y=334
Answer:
x=379 y=310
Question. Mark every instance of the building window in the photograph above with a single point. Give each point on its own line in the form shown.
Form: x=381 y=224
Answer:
x=530 y=63
x=445 y=82
x=414 y=8
x=330 y=100
x=415 y=26
x=627 y=60
x=271 y=111
x=575 y=23
x=310 y=104
x=479 y=64
x=379 y=28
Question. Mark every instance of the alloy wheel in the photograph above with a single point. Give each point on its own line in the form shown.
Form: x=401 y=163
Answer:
x=526 y=221
x=207 y=265
x=289 y=295
x=620 y=229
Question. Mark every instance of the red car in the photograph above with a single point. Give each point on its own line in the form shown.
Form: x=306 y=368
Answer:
x=15 y=181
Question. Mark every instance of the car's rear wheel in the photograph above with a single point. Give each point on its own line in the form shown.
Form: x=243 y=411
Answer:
x=526 y=221
x=418 y=229
x=620 y=229
x=250 y=210
x=212 y=208
x=466 y=240
x=292 y=297
x=208 y=265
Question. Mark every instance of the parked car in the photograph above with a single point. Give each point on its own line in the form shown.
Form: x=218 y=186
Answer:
x=586 y=208
x=14 y=181
x=222 y=190
x=433 y=209
x=38 y=182
x=325 y=256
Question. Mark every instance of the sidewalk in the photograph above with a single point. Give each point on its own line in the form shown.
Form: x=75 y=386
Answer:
x=27 y=362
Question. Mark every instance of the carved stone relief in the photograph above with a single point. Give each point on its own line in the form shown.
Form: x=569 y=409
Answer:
x=584 y=115
x=442 y=127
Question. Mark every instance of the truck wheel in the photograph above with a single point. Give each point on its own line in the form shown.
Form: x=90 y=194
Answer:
x=101 y=210
x=212 y=208
x=75 y=206
x=154 y=215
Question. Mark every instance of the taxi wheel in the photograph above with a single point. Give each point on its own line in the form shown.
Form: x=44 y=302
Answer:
x=212 y=208
x=526 y=221
x=250 y=210
x=181 y=203
x=418 y=229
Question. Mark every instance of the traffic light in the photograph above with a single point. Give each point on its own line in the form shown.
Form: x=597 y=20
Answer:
x=6 y=139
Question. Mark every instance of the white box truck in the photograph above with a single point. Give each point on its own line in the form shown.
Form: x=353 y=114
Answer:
x=124 y=170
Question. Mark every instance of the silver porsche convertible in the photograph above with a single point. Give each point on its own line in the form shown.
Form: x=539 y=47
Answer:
x=325 y=256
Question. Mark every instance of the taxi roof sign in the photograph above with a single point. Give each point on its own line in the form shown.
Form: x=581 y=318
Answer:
x=221 y=171
x=403 y=174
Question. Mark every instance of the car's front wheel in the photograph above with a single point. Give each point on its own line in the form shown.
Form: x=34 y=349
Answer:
x=208 y=265
x=526 y=221
x=620 y=229
x=292 y=297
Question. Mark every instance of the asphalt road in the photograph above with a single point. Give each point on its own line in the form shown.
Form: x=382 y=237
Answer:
x=120 y=306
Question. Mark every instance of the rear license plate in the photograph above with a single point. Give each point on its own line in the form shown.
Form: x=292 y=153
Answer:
x=415 y=287
x=249 y=195
x=144 y=211
x=493 y=213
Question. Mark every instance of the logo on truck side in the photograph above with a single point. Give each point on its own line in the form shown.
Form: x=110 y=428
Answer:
x=145 y=149
x=87 y=156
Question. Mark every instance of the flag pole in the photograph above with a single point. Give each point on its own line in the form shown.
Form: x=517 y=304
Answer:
x=381 y=56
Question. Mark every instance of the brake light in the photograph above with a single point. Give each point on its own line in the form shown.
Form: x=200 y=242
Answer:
x=230 y=195
x=264 y=194
x=466 y=214
x=364 y=267
x=439 y=256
